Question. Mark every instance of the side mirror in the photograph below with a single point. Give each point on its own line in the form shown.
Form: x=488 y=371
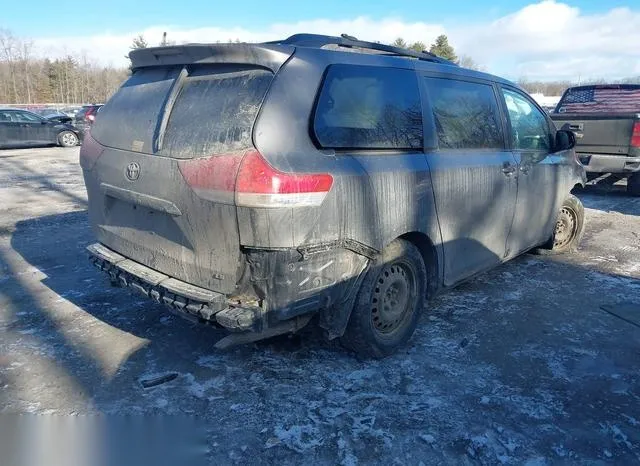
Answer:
x=565 y=140
x=44 y=122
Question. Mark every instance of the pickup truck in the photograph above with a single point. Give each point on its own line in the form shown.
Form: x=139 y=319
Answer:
x=606 y=122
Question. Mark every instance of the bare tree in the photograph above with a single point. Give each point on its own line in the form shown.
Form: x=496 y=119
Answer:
x=23 y=48
x=73 y=79
x=139 y=42
x=8 y=54
x=467 y=62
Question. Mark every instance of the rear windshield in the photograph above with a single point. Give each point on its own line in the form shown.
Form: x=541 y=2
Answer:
x=613 y=99
x=213 y=113
x=130 y=119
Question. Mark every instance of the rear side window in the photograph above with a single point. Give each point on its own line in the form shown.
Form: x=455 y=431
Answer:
x=130 y=119
x=215 y=112
x=466 y=114
x=362 y=107
x=25 y=117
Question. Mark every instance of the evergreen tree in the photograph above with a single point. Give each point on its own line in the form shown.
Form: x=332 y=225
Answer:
x=443 y=49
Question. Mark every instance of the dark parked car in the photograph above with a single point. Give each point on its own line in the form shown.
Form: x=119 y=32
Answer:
x=54 y=115
x=606 y=121
x=252 y=187
x=20 y=128
x=85 y=117
x=71 y=111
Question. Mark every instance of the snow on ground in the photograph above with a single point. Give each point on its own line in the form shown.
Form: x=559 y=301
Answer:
x=520 y=365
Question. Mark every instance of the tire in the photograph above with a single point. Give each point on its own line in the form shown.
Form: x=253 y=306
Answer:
x=389 y=302
x=633 y=185
x=568 y=231
x=67 y=139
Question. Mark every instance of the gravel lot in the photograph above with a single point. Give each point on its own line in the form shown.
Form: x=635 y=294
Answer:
x=536 y=362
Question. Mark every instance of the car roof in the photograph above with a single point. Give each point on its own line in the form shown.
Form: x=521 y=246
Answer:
x=4 y=109
x=447 y=69
x=362 y=52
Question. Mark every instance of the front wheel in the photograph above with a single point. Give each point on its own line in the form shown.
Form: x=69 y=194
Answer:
x=67 y=139
x=568 y=230
x=389 y=302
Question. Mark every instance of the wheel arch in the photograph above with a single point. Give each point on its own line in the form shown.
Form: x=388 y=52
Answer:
x=336 y=322
x=429 y=256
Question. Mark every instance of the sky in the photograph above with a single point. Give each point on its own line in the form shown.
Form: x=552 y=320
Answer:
x=573 y=40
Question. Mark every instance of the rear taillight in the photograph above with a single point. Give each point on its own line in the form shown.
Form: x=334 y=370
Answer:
x=249 y=181
x=212 y=178
x=90 y=151
x=89 y=115
x=635 y=136
x=261 y=185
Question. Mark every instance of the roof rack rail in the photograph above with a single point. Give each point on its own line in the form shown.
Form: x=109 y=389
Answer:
x=318 y=40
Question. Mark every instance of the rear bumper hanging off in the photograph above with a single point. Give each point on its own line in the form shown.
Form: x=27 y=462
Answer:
x=189 y=301
x=289 y=285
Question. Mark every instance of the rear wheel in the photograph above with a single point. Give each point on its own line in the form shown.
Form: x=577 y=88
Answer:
x=633 y=184
x=389 y=302
x=568 y=230
x=67 y=139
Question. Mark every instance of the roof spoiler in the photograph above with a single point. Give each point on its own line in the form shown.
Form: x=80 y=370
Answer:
x=271 y=56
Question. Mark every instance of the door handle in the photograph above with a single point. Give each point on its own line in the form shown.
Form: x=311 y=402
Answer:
x=508 y=168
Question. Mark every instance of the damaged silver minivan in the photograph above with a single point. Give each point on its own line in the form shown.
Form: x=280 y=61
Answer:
x=255 y=186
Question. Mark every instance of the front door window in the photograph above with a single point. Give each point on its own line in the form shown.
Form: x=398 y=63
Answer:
x=529 y=127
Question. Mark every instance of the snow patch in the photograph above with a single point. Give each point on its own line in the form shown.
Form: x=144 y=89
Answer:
x=298 y=438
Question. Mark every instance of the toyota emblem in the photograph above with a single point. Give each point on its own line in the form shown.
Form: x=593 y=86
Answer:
x=133 y=171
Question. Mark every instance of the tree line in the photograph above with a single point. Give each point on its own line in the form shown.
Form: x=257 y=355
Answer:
x=26 y=78
x=443 y=49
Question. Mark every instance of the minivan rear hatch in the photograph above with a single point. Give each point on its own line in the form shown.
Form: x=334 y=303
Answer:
x=183 y=120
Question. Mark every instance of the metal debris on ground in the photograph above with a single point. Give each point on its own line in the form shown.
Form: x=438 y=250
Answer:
x=153 y=382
